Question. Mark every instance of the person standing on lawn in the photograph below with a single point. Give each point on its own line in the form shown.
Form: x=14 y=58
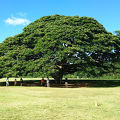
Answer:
x=42 y=82
x=48 y=82
x=7 y=81
x=15 y=82
x=21 y=81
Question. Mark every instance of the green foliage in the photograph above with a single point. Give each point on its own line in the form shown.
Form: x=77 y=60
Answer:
x=117 y=32
x=60 y=45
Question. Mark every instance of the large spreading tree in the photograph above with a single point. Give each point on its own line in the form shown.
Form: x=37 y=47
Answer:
x=59 y=45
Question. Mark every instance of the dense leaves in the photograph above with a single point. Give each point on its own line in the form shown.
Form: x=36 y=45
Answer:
x=59 y=45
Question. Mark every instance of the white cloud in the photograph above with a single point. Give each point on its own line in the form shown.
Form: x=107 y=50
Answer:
x=17 y=21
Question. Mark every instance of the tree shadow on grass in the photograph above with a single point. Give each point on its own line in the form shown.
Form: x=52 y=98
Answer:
x=90 y=83
x=71 y=83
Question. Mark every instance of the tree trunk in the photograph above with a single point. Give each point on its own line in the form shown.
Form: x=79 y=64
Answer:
x=58 y=78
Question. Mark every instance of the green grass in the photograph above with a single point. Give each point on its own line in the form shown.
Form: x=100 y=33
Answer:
x=18 y=79
x=39 y=103
x=27 y=79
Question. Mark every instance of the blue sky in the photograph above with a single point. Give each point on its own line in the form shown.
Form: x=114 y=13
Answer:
x=16 y=14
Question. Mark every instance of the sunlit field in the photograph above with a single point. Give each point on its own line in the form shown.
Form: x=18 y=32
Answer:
x=41 y=103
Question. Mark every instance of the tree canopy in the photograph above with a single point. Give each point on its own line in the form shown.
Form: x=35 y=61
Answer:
x=59 y=45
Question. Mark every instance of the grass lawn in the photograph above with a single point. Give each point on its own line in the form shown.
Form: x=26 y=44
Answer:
x=39 y=103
